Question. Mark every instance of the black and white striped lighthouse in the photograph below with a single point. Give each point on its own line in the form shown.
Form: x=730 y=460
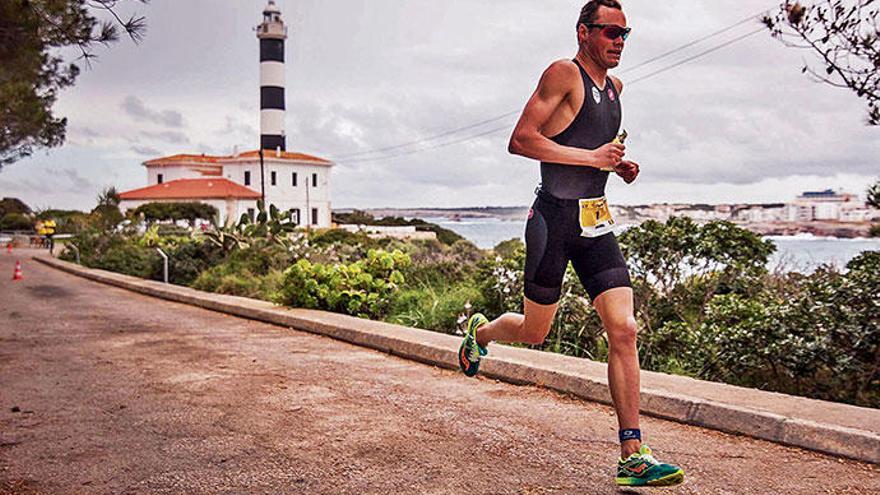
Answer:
x=272 y=34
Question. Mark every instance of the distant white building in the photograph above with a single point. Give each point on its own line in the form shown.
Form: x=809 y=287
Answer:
x=829 y=205
x=291 y=181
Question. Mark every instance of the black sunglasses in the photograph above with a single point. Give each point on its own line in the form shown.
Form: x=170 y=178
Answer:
x=612 y=31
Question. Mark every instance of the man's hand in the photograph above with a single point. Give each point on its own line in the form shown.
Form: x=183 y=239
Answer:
x=609 y=155
x=627 y=170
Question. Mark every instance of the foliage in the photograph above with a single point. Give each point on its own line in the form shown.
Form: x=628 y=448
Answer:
x=33 y=35
x=330 y=237
x=438 y=308
x=843 y=34
x=16 y=221
x=439 y=265
x=106 y=216
x=874 y=195
x=67 y=221
x=364 y=288
x=500 y=280
x=13 y=205
x=109 y=196
x=816 y=335
x=115 y=252
x=358 y=217
x=189 y=211
x=275 y=226
x=253 y=271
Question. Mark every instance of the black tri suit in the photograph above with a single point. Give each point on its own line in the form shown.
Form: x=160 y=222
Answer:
x=557 y=231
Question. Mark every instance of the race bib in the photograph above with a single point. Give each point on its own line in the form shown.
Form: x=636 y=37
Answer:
x=595 y=217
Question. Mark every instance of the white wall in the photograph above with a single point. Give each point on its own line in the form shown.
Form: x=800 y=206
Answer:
x=169 y=174
x=284 y=195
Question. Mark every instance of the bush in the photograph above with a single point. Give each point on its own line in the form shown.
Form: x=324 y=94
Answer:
x=173 y=211
x=187 y=260
x=16 y=221
x=254 y=271
x=439 y=309
x=364 y=288
x=339 y=236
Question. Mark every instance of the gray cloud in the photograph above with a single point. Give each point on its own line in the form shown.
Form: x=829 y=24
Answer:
x=173 y=137
x=76 y=181
x=135 y=108
x=147 y=151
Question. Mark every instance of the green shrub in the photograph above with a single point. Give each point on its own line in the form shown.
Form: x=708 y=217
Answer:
x=16 y=221
x=364 y=288
x=173 y=211
x=339 y=236
x=435 y=308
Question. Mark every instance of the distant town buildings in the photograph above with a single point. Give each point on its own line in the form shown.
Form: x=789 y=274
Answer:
x=826 y=205
x=296 y=182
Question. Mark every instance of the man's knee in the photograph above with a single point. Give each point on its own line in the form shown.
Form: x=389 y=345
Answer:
x=534 y=334
x=622 y=332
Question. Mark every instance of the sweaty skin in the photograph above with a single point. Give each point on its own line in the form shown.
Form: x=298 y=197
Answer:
x=549 y=111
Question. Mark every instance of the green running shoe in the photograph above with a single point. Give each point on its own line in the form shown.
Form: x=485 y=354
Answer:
x=470 y=352
x=641 y=469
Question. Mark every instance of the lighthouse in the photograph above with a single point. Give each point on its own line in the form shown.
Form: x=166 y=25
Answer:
x=272 y=34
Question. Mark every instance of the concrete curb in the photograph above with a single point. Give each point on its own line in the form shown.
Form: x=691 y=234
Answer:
x=579 y=377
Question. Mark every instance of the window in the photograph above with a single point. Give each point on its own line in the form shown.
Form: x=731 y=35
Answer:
x=274 y=178
x=294 y=215
x=160 y=179
x=314 y=180
x=294 y=179
x=251 y=212
x=314 y=216
x=247 y=177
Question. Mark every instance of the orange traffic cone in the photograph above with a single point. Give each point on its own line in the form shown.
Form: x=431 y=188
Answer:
x=9 y=247
x=16 y=275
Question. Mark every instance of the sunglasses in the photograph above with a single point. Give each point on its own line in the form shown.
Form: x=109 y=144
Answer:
x=612 y=31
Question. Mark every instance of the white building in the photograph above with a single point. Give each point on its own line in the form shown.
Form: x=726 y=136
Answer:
x=296 y=182
x=829 y=205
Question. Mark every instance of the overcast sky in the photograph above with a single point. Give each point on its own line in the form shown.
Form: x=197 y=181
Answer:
x=739 y=125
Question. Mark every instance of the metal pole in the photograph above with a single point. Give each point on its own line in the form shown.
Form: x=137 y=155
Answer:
x=165 y=261
x=262 y=179
x=75 y=251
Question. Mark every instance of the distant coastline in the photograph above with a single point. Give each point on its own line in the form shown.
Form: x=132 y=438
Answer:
x=634 y=215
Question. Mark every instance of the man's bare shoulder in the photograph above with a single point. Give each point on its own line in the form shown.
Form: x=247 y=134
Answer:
x=559 y=76
x=618 y=84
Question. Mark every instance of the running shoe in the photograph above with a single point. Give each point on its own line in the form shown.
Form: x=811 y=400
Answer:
x=641 y=469
x=470 y=352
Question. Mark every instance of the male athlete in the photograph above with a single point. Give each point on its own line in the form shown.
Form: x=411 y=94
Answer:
x=569 y=124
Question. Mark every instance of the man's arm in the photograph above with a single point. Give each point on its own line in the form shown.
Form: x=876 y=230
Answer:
x=626 y=169
x=527 y=139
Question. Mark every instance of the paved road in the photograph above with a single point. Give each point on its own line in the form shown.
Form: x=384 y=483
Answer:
x=115 y=392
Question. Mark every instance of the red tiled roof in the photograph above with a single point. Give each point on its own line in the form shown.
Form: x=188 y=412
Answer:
x=216 y=160
x=192 y=189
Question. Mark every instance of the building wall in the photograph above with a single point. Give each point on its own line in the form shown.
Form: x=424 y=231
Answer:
x=169 y=174
x=284 y=195
x=192 y=171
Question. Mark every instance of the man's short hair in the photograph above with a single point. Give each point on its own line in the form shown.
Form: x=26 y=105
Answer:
x=589 y=12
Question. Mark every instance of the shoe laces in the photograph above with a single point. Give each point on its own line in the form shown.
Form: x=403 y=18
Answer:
x=474 y=350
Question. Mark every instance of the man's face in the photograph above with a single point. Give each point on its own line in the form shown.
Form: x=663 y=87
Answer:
x=604 y=51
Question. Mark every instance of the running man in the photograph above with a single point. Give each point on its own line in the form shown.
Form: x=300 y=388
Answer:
x=569 y=124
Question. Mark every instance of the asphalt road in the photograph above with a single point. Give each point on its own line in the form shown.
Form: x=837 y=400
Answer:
x=106 y=391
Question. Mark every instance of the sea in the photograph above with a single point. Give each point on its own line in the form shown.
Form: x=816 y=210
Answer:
x=801 y=253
